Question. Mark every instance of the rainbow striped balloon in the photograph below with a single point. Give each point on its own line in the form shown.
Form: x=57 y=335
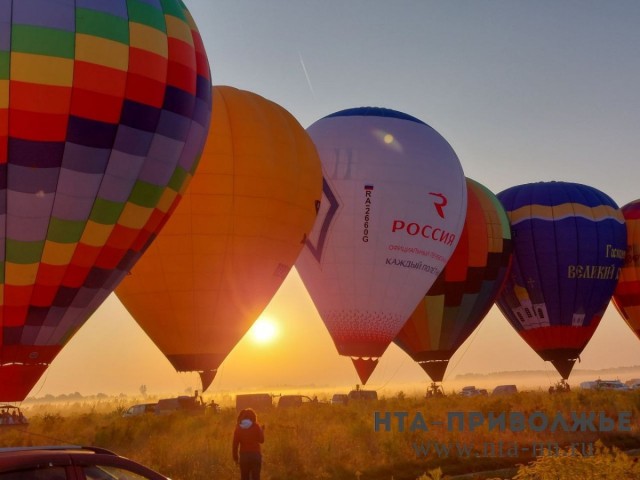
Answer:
x=104 y=110
x=626 y=297
x=465 y=290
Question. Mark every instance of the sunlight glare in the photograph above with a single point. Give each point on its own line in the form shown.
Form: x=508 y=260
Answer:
x=388 y=139
x=265 y=330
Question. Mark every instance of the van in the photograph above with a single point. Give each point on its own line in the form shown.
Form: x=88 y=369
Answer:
x=359 y=394
x=182 y=404
x=256 y=401
x=505 y=390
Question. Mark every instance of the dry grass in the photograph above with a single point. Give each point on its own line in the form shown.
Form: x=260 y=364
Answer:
x=318 y=441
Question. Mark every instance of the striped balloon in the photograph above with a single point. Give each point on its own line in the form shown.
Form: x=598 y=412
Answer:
x=465 y=290
x=626 y=298
x=104 y=109
x=569 y=244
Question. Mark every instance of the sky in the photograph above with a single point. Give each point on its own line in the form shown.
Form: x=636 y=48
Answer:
x=523 y=92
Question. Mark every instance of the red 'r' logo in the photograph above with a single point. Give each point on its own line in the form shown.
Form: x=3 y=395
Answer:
x=439 y=204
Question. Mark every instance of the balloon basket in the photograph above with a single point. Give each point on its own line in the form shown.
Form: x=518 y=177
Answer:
x=434 y=390
x=562 y=386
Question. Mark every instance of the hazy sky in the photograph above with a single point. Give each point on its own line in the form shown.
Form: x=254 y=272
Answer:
x=523 y=91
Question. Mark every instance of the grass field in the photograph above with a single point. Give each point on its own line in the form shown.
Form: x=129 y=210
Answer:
x=323 y=441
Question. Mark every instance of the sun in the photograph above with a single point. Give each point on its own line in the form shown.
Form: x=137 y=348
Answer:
x=265 y=330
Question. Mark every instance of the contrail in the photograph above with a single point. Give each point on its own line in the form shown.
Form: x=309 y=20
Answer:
x=306 y=74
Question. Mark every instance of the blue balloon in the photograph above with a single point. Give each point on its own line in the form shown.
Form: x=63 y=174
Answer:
x=569 y=243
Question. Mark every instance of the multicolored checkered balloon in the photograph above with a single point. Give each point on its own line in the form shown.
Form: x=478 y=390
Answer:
x=104 y=110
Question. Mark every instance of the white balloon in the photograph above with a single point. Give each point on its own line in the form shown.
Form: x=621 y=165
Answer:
x=393 y=207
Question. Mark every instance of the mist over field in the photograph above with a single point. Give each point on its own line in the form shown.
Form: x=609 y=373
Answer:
x=336 y=442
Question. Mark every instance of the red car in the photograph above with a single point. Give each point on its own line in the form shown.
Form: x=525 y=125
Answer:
x=70 y=462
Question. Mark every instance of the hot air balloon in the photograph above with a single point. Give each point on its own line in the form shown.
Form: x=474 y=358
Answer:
x=569 y=243
x=234 y=237
x=626 y=297
x=465 y=290
x=104 y=109
x=394 y=201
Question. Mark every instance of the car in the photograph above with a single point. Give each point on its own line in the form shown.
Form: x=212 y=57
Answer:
x=590 y=385
x=340 y=399
x=140 y=409
x=295 y=401
x=605 y=385
x=633 y=384
x=505 y=390
x=472 y=391
x=182 y=404
x=70 y=462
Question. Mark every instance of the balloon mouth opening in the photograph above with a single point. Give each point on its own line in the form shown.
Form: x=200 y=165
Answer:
x=364 y=367
x=435 y=369
x=206 y=377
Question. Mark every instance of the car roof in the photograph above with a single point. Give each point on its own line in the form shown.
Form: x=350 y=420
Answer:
x=59 y=455
x=56 y=448
x=18 y=458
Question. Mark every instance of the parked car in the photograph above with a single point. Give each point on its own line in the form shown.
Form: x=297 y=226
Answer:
x=633 y=384
x=605 y=385
x=140 y=409
x=295 y=401
x=505 y=390
x=182 y=404
x=340 y=399
x=590 y=385
x=70 y=462
x=472 y=391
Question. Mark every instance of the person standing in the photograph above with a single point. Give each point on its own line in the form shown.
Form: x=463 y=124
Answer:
x=247 y=438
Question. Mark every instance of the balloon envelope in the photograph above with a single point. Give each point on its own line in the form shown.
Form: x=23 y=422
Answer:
x=233 y=239
x=394 y=201
x=103 y=115
x=569 y=242
x=626 y=297
x=465 y=290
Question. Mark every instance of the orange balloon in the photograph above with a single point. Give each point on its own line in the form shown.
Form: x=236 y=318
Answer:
x=233 y=238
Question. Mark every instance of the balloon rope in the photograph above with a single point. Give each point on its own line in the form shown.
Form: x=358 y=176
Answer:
x=547 y=369
x=44 y=381
x=472 y=338
x=404 y=359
